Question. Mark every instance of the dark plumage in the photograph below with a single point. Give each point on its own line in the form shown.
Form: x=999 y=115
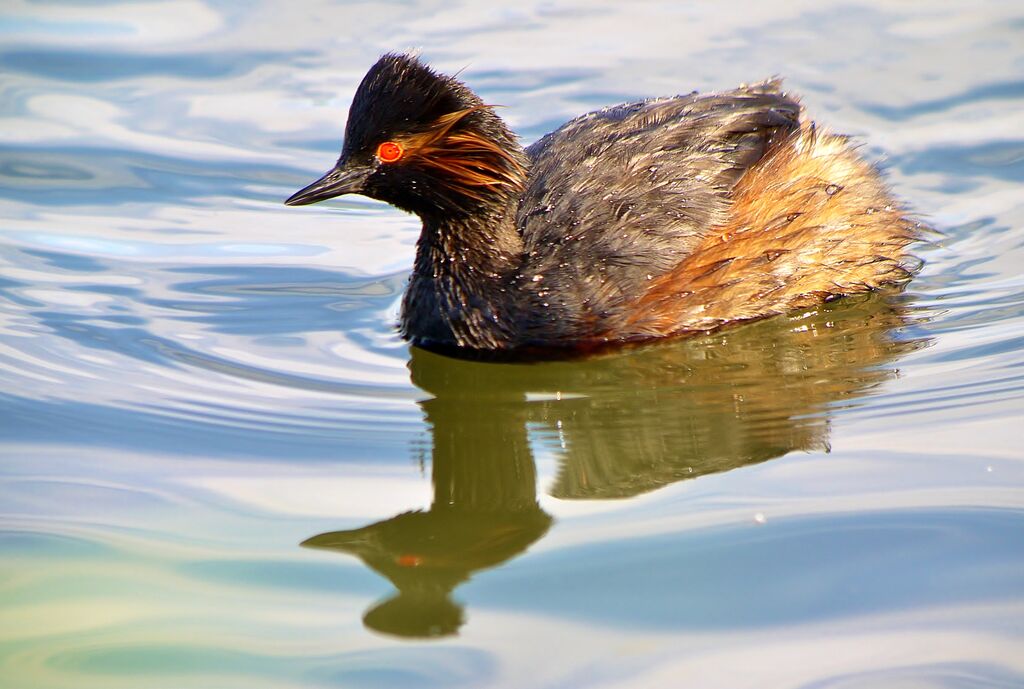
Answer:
x=650 y=219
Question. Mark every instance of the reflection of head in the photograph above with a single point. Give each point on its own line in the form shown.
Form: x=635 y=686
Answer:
x=416 y=615
x=427 y=554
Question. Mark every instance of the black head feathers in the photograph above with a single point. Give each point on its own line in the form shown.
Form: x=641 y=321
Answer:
x=401 y=95
x=432 y=144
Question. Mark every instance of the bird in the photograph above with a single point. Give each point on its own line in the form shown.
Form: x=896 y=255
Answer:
x=659 y=218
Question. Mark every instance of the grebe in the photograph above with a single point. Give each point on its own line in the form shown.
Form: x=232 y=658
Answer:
x=659 y=218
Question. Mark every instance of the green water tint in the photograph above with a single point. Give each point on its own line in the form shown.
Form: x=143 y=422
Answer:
x=623 y=424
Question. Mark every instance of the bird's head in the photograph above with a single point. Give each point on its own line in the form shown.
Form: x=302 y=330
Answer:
x=423 y=142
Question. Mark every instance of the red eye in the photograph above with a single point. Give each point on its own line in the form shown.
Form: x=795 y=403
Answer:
x=389 y=152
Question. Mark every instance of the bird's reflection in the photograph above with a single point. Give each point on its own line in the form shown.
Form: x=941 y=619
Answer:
x=621 y=425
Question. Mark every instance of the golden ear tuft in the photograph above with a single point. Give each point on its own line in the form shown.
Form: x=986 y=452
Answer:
x=471 y=160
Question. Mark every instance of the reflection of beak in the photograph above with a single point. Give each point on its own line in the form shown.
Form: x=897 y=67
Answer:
x=345 y=541
x=343 y=179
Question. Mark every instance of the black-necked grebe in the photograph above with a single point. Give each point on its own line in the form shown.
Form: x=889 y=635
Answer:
x=650 y=219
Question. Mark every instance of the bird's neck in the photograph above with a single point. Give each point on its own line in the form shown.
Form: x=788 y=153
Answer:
x=460 y=293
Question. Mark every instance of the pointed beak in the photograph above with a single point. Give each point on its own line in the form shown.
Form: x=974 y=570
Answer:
x=342 y=179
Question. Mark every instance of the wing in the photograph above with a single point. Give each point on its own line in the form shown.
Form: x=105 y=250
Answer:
x=620 y=196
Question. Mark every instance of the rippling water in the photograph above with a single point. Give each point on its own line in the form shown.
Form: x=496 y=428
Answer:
x=197 y=380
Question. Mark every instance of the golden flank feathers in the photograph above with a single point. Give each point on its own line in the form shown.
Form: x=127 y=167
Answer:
x=809 y=221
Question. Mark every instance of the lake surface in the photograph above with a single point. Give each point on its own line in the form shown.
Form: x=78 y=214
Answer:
x=222 y=468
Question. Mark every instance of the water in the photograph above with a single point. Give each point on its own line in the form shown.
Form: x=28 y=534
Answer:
x=197 y=380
